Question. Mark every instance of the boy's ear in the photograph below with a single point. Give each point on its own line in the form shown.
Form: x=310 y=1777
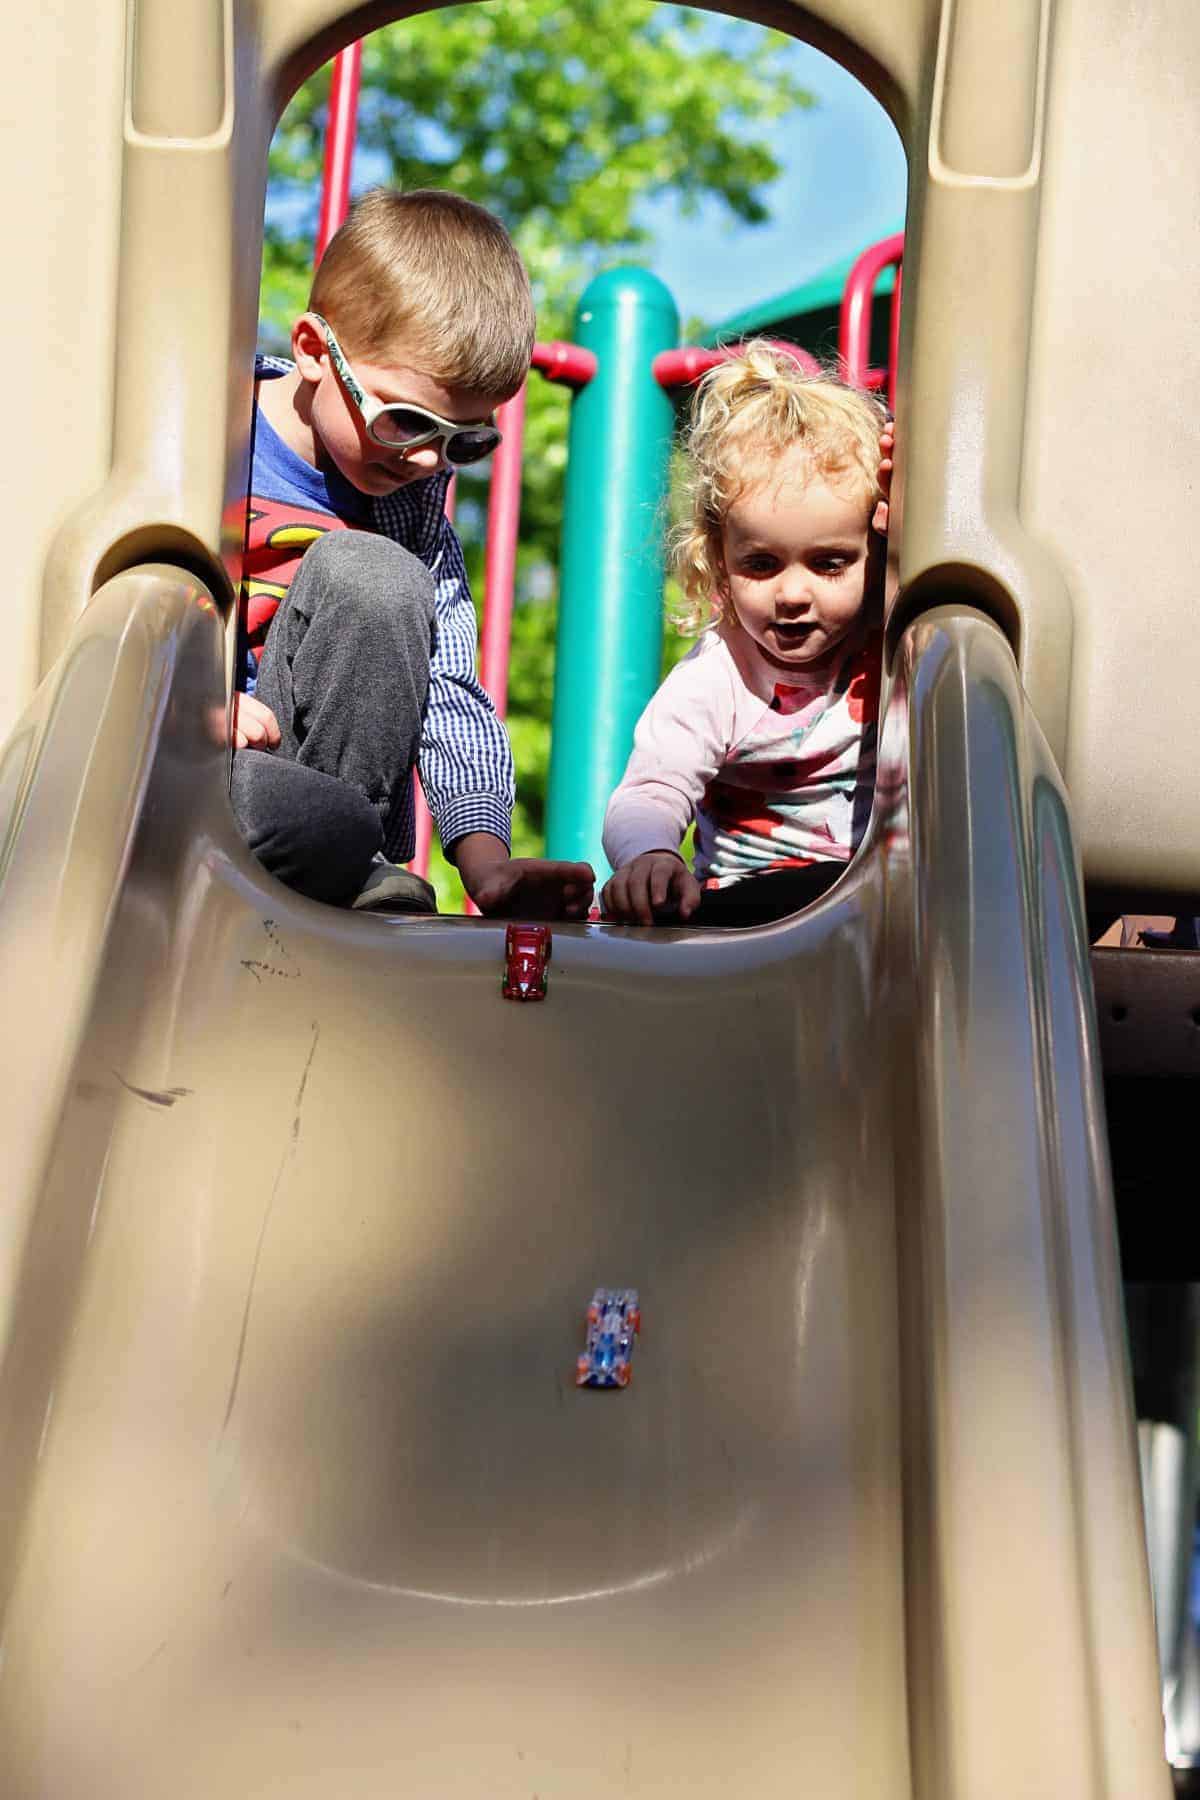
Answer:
x=309 y=351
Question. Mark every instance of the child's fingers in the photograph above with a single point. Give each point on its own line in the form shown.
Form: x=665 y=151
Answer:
x=662 y=881
x=639 y=897
x=578 y=883
x=614 y=901
x=579 y=879
x=689 y=893
x=255 y=726
x=635 y=894
x=641 y=892
x=266 y=725
x=635 y=902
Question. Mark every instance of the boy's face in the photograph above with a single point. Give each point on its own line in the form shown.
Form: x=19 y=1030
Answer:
x=795 y=548
x=337 y=423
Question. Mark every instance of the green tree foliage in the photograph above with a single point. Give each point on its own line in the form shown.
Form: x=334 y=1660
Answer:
x=564 y=120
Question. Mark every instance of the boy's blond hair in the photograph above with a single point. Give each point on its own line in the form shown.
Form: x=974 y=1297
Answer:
x=745 y=414
x=435 y=278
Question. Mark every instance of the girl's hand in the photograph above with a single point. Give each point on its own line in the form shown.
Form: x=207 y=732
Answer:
x=255 y=726
x=887 y=452
x=655 y=886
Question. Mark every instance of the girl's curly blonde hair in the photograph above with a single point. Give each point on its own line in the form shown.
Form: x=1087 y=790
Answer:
x=746 y=413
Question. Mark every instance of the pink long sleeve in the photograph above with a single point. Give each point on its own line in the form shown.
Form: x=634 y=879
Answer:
x=681 y=740
x=776 y=772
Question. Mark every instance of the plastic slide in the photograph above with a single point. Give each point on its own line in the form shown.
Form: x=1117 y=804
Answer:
x=300 y=1496
x=301 y=1217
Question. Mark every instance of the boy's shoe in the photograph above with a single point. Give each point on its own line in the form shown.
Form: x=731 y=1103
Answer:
x=389 y=888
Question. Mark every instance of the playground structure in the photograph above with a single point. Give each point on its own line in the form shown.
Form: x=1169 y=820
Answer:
x=298 y=1496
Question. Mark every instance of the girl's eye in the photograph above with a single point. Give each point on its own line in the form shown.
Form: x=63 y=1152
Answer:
x=831 y=567
x=758 y=565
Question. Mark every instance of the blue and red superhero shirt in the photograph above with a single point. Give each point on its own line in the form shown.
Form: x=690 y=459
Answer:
x=289 y=506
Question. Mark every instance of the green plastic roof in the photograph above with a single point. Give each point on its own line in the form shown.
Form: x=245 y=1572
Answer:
x=824 y=290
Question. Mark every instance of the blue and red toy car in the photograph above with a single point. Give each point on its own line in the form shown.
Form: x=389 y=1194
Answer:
x=613 y=1321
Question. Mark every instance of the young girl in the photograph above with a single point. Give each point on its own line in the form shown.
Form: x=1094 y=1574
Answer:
x=765 y=733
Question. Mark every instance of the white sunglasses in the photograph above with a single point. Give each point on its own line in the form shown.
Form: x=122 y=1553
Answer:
x=402 y=425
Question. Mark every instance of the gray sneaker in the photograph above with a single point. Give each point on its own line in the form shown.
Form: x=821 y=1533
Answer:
x=389 y=888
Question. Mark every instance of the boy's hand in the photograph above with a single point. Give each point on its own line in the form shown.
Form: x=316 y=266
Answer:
x=655 y=886
x=521 y=887
x=255 y=726
x=887 y=453
x=525 y=887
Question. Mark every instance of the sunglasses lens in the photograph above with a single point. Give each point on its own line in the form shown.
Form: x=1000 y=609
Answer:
x=401 y=425
x=473 y=445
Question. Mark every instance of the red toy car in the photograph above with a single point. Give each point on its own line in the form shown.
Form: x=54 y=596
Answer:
x=526 y=954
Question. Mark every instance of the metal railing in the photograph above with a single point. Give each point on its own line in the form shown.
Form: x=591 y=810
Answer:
x=854 y=325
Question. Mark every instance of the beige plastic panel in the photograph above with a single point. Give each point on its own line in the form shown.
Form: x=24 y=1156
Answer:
x=60 y=175
x=1115 y=371
x=298 y=1494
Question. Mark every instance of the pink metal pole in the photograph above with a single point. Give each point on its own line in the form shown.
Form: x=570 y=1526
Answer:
x=424 y=823
x=854 y=324
x=567 y=364
x=894 y=337
x=500 y=558
x=679 y=368
x=340 y=133
x=500 y=555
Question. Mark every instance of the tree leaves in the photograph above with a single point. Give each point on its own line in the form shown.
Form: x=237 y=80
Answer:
x=561 y=119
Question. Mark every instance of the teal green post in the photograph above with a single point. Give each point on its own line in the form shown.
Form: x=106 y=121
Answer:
x=611 y=579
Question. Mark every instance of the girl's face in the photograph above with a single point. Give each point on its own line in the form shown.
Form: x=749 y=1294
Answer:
x=795 y=550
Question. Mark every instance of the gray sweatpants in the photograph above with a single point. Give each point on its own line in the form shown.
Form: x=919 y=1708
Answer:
x=345 y=670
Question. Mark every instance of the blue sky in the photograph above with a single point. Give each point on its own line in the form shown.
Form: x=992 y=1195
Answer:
x=843 y=187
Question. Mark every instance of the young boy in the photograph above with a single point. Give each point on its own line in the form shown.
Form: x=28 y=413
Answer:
x=357 y=643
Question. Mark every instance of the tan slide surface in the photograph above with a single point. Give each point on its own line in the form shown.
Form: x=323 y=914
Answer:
x=299 y=1496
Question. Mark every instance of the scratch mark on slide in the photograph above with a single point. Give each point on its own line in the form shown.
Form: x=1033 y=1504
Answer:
x=259 y=968
x=288 y=1153
x=156 y=1096
x=304 y=1082
x=153 y=1656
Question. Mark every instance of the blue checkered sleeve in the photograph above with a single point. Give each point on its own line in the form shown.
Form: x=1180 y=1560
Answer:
x=465 y=761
